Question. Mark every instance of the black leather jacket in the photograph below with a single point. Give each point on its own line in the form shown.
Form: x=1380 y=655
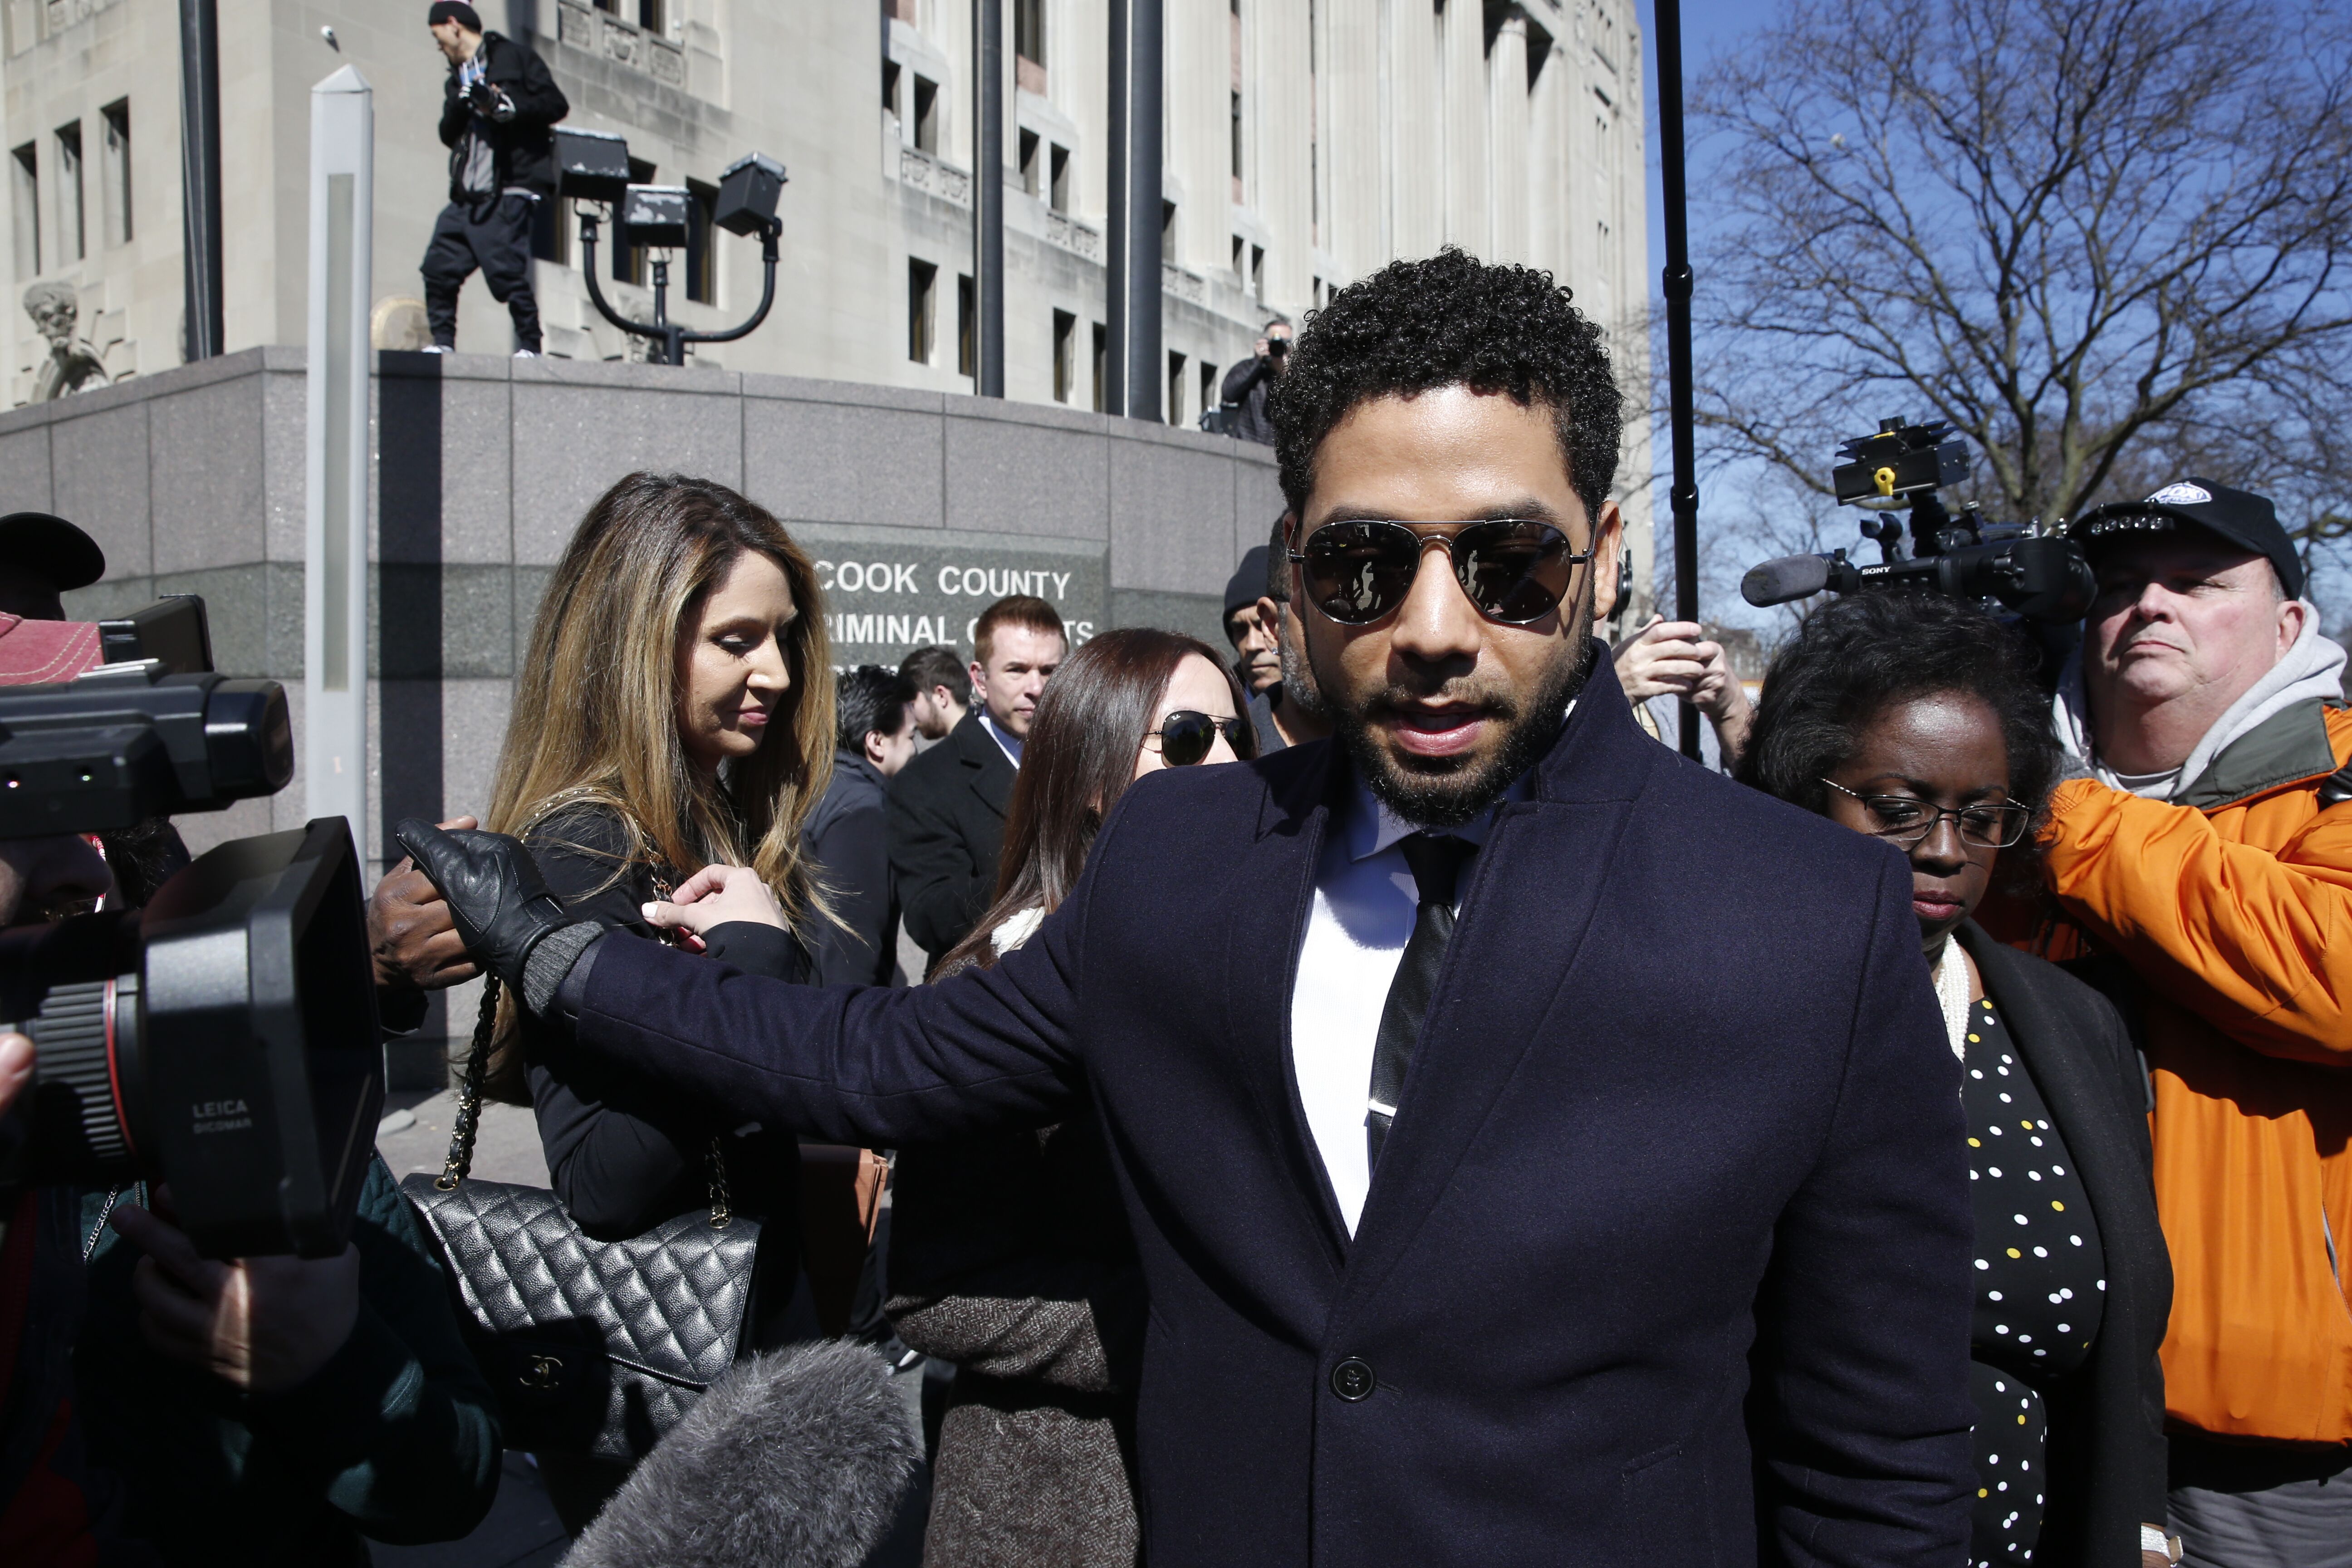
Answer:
x=523 y=151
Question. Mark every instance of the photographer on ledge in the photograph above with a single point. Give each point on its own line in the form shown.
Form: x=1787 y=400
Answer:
x=495 y=108
x=1244 y=395
x=2205 y=857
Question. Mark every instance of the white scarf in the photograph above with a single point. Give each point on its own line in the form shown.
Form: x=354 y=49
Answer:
x=2313 y=668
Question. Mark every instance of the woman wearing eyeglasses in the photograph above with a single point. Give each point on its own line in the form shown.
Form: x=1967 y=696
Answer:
x=1009 y=1256
x=1918 y=720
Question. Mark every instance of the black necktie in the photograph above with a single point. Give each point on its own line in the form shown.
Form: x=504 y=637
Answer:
x=1435 y=861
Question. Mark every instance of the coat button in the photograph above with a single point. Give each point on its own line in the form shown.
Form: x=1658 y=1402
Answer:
x=1352 y=1379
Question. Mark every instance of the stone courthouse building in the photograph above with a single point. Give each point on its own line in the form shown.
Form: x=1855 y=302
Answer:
x=1306 y=143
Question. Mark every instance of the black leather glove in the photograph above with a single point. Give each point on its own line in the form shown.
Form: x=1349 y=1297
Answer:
x=497 y=900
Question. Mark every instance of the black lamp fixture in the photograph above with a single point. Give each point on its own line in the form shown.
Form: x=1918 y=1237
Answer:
x=594 y=167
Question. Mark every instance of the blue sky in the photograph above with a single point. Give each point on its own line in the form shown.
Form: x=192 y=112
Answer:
x=1709 y=25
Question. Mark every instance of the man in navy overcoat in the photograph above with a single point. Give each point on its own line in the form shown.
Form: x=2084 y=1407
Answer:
x=1539 y=1149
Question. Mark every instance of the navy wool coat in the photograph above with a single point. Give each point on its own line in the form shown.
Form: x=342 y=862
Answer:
x=1667 y=1257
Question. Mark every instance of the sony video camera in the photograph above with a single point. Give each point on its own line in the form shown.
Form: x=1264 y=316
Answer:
x=223 y=1038
x=2039 y=576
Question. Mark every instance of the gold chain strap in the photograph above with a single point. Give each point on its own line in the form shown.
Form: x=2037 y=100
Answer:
x=470 y=1092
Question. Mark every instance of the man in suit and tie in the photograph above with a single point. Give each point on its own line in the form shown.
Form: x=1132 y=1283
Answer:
x=946 y=815
x=1539 y=1150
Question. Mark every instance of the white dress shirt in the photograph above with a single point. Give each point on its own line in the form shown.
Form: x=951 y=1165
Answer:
x=1010 y=744
x=1364 y=905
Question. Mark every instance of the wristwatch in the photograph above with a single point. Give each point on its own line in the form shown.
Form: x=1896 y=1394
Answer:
x=2155 y=1542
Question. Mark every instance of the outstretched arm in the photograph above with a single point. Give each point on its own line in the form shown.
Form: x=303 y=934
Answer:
x=987 y=1052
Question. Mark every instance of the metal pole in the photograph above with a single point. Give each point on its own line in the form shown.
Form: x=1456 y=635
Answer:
x=335 y=522
x=200 y=178
x=1684 y=496
x=988 y=194
x=1133 y=284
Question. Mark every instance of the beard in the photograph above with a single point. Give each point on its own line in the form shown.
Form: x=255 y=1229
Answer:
x=1298 y=687
x=1446 y=792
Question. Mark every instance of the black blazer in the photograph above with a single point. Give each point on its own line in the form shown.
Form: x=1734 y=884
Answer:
x=946 y=826
x=2106 y=1453
x=1649 y=1237
x=844 y=842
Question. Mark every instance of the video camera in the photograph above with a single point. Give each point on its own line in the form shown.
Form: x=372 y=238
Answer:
x=2037 y=575
x=223 y=1038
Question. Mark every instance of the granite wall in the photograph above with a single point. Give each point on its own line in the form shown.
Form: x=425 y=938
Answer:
x=920 y=508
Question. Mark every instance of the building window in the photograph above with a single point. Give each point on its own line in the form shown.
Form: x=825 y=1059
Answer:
x=891 y=86
x=25 y=176
x=1029 y=30
x=920 y=276
x=1237 y=146
x=551 y=232
x=1168 y=233
x=117 y=118
x=1175 y=389
x=1102 y=363
x=1029 y=161
x=1066 y=348
x=1257 y=273
x=927 y=116
x=1061 y=179
x=701 y=255
x=70 y=225
x=629 y=259
x=1209 y=398
x=967 y=327
x=1237 y=261
x=646 y=14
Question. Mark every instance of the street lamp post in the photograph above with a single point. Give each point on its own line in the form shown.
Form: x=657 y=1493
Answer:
x=656 y=215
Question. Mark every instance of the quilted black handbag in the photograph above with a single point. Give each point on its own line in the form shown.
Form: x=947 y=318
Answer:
x=593 y=1347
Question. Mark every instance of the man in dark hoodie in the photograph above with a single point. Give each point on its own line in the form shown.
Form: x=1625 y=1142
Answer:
x=874 y=730
x=495 y=108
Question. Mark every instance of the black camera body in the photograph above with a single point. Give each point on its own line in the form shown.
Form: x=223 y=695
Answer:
x=2041 y=577
x=224 y=1039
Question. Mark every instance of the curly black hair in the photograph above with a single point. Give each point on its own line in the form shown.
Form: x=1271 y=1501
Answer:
x=1856 y=655
x=1451 y=320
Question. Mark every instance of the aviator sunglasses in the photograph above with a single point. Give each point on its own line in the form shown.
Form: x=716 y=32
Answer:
x=1513 y=570
x=1186 y=737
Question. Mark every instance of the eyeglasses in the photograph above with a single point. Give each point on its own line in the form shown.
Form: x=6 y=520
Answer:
x=1513 y=570
x=1186 y=737
x=1902 y=819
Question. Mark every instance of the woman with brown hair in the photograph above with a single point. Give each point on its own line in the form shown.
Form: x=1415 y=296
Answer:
x=1009 y=1256
x=675 y=711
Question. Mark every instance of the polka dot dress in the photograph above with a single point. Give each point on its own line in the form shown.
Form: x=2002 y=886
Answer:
x=2040 y=1275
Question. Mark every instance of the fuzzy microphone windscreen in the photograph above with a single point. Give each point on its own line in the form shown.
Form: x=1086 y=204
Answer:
x=794 y=1460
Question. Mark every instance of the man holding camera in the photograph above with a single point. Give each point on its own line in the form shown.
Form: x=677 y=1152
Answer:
x=2207 y=856
x=495 y=108
x=160 y=1405
x=1247 y=386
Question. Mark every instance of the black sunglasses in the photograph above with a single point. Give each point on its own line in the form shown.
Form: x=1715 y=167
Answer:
x=1186 y=737
x=1513 y=570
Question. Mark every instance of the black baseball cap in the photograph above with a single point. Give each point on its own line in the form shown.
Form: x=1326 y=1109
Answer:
x=1248 y=585
x=50 y=548
x=2244 y=519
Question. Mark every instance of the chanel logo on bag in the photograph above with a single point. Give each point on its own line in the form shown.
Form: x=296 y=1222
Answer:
x=541 y=1373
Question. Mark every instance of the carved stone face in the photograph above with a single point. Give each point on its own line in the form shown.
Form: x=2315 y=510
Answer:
x=54 y=309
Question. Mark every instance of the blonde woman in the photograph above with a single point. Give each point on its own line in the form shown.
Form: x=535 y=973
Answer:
x=675 y=710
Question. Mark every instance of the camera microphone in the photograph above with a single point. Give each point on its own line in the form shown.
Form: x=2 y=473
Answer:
x=1782 y=581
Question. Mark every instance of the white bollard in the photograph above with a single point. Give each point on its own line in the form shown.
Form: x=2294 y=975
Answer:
x=335 y=522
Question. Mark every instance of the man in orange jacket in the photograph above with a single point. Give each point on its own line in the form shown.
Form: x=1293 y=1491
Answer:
x=2205 y=851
